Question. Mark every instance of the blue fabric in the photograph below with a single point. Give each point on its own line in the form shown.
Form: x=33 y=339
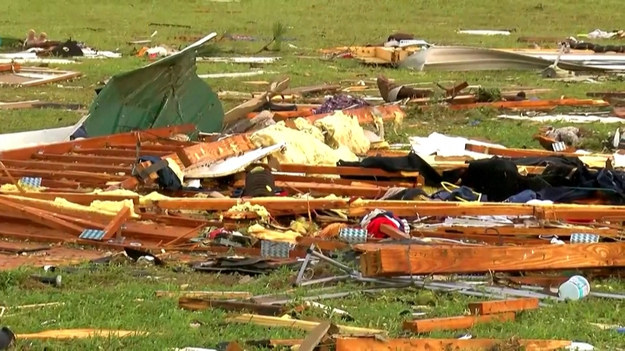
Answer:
x=81 y=132
x=522 y=197
x=463 y=192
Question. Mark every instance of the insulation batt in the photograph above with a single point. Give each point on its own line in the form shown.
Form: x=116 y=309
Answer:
x=344 y=130
x=301 y=147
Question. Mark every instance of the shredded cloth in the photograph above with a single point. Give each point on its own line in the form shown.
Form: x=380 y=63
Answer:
x=376 y=218
x=340 y=102
x=595 y=47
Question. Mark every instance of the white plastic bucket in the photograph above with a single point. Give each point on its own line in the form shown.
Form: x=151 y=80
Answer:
x=575 y=288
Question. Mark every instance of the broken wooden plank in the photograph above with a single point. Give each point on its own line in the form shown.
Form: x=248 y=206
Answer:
x=402 y=208
x=455 y=323
x=413 y=259
x=606 y=94
x=324 y=189
x=492 y=239
x=59 y=166
x=97 y=142
x=77 y=198
x=75 y=175
x=344 y=171
x=206 y=294
x=531 y=104
x=521 y=231
x=45 y=218
x=79 y=334
x=514 y=152
x=372 y=344
x=200 y=304
x=112 y=152
x=86 y=159
x=116 y=223
x=298 y=324
x=323 y=88
x=405 y=183
x=240 y=111
x=315 y=337
x=501 y=306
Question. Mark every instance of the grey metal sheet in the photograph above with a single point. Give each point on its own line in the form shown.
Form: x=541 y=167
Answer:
x=461 y=58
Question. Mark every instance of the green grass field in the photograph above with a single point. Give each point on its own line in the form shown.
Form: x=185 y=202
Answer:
x=116 y=298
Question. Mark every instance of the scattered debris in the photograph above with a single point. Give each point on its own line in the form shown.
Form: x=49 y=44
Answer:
x=14 y=74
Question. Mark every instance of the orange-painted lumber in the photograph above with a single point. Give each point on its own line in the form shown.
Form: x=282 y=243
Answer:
x=413 y=259
x=374 y=344
x=454 y=323
x=531 y=104
x=214 y=151
x=500 y=306
x=116 y=223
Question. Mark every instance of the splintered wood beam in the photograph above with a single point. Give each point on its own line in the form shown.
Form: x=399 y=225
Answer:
x=531 y=104
x=116 y=223
x=74 y=175
x=271 y=203
x=59 y=211
x=86 y=159
x=444 y=210
x=77 y=198
x=455 y=323
x=414 y=259
x=436 y=208
x=79 y=334
x=200 y=304
x=328 y=189
x=364 y=114
x=164 y=145
x=512 y=152
x=403 y=208
x=488 y=239
x=372 y=344
x=341 y=181
x=97 y=142
x=42 y=217
x=205 y=294
x=344 y=171
x=322 y=244
x=59 y=166
x=119 y=152
x=267 y=321
x=501 y=306
x=607 y=94
x=519 y=231
x=51 y=183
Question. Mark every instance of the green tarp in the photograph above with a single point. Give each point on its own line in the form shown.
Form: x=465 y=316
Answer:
x=165 y=93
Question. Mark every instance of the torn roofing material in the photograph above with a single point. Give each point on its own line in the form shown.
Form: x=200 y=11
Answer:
x=460 y=58
x=165 y=93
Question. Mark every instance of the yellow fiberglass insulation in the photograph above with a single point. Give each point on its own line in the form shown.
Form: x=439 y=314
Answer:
x=11 y=188
x=345 y=130
x=305 y=126
x=301 y=147
x=259 y=232
x=260 y=210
